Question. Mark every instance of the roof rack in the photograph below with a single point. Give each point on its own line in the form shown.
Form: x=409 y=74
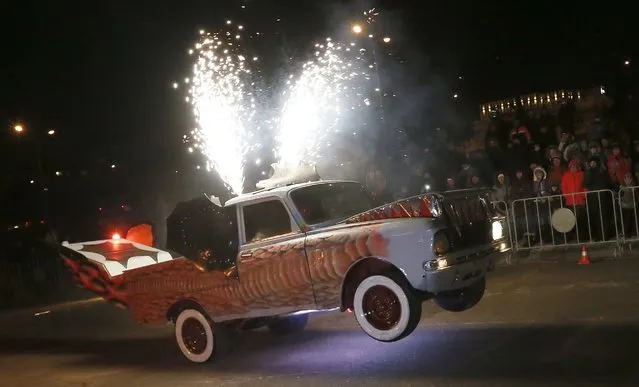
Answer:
x=284 y=175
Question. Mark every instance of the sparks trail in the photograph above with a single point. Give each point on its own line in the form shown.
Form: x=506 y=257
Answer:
x=222 y=92
x=321 y=105
x=318 y=102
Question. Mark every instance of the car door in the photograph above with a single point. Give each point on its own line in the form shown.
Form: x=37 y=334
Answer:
x=272 y=262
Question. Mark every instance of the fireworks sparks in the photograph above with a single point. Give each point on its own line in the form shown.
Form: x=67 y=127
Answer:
x=320 y=104
x=316 y=102
x=223 y=103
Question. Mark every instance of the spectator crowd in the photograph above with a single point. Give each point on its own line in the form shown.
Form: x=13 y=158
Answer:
x=535 y=154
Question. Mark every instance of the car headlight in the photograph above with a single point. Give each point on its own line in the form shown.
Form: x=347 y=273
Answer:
x=435 y=264
x=498 y=231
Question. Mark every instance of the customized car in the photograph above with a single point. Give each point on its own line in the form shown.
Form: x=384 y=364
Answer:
x=297 y=246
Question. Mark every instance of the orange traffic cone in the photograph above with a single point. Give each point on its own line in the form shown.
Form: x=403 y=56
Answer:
x=585 y=259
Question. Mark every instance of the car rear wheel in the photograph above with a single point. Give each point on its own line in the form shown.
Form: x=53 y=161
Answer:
x=462 y=299
x=386 y=308
x=288 y=325
x=197 y=337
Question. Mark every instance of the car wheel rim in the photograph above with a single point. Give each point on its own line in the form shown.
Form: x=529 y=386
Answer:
x=381 y=307
x=194 y=336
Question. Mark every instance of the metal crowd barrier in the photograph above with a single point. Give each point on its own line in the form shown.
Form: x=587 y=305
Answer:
x=565 y=220
x=629 y=222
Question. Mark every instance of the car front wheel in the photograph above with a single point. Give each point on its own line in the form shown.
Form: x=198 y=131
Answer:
x=462 y=299
x=386 y=308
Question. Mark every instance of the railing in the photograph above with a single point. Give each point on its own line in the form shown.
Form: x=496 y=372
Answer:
x=600 y=217
x=629 y=222
x=565 y=220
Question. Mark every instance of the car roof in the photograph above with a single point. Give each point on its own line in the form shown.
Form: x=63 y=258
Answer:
x=278 y=192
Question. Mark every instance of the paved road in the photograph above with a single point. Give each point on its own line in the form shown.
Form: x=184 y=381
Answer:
x=540 y=324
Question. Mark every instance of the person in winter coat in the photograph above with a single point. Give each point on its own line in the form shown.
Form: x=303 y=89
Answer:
x=572 y=182
x=595 y=177
x=520 y=187
x=572 y=187
x=500 y=189
x=465 y=176
x=520 y=131
x=475 y=182
x=618 y=165
x=599 y=203
x=538 y=156
x=450 y=184
x=557 y=170
x=541 y=186
x=628 y=201
x=595 y=151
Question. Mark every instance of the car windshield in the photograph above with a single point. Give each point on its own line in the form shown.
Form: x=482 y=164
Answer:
x=331 y=202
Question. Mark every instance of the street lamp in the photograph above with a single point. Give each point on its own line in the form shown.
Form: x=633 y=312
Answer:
x=357 y=29
x=36 y=138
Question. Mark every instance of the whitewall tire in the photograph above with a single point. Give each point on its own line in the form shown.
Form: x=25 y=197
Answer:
x=195 y=336
x=386 y=308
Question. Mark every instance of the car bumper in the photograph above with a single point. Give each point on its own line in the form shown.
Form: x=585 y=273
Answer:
x=461 y=274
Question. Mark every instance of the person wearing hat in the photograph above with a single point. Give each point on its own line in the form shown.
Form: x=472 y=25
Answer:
x=572 y=186
x=618 y=165
x=500 y=189
x=556 y=171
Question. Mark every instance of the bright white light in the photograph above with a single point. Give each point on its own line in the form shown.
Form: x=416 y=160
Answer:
x=175 y=85
x=51 y=132
x=602 y=90
x=58 y=173
x=357 y=29
x=112 y=166
x=317 y=102
x=190 y=150
x=627 y=63
x=498 y=231
x=387 y=39
x=116 y=237
x=258 y=162
x=223 y=99
x=455 y=95
x=32 y=181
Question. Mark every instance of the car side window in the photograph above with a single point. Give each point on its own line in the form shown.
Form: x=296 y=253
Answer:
x=265 y=220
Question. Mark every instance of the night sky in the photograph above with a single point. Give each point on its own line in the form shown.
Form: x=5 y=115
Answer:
x=100 y=73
